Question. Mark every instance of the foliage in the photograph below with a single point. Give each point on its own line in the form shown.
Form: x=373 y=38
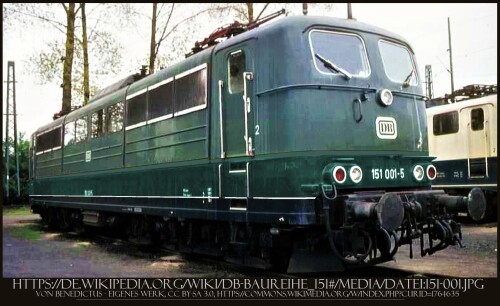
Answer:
x=162 y=40
x=23 y=152
x=170 y=24
x=185 y=29
x=18 y=210
x=47 y=59
x=27 y=232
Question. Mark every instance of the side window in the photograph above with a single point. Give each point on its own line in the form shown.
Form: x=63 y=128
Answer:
x=98 y=124
x=69 y=133
x=191 y=90
x=49 y=140
x=114 y=118
x=160 y=100
x=446 y=123
x=40 y=143
x=136 y=108
x=56 y=138
x=81 y=130
x=477 y=119
x=235 y=69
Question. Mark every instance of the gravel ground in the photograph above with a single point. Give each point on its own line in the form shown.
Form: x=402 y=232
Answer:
x=64 y=255
x=478 y=257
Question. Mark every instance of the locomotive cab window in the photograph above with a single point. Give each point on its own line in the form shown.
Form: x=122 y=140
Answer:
x=398 y=63
x=343 y=50
x=235 y=69
x=191 y=90
x=446 y=123
x=477 y=119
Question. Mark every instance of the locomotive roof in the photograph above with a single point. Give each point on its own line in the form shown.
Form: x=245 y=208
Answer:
x=490 y=99
x=302 y=23
x=289 y=23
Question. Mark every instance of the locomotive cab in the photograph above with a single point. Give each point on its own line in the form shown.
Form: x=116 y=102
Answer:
x=335 y=86
x=332 y=110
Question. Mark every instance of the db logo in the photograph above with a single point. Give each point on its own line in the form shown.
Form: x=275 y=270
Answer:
x=386 y=128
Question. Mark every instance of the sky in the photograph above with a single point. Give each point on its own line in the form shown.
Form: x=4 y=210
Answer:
x=424 y=25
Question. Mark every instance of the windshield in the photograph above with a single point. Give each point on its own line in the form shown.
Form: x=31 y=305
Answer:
x=346 y=51
x=398 y=64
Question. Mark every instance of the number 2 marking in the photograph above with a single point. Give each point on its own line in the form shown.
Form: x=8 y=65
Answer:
x=257 y=127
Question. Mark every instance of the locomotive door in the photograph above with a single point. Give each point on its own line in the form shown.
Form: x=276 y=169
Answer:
x=477 y=147
x=235 y=77
x=233 y=71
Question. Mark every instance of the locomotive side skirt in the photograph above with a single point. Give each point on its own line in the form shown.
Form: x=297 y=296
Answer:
x=272 y=211
x=455 y=173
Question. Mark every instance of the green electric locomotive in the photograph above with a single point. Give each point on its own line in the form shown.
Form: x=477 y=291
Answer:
x=299 y=145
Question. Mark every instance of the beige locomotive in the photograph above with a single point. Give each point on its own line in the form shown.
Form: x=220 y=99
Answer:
x=463 y=138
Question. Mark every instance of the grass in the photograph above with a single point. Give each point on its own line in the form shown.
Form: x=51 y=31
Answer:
x=16 y=210
x=82 y=245
x=28 y=232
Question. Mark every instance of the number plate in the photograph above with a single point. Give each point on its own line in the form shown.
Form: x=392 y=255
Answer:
x=388 y=173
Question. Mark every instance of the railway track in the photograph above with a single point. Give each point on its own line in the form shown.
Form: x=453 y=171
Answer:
x=227 y=269
x=168 y=255
x=480 y=242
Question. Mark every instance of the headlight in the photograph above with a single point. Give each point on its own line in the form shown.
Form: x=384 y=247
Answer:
x=418 y=172
x=356 y=174
x=385 y=97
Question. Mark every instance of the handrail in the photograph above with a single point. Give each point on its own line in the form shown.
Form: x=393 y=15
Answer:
x=222 y=153
x=319 y=86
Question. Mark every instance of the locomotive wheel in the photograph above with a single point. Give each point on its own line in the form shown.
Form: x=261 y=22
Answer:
x=141 y=231
x=65 y=222
x=279 y=261
x=491 y=206
x=49 y=217
x=280 y=253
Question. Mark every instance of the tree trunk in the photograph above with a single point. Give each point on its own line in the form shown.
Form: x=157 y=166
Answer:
x=152 y=53
x=68 y=60
x=250 y=12
x=86 y=85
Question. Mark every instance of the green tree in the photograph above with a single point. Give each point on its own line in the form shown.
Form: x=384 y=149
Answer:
x=23 y=149
x=167 y=21
x=81 y=49
x=68 y=58
x=85 y=47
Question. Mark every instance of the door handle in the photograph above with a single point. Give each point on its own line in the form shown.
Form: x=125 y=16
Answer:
x=360 y=110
